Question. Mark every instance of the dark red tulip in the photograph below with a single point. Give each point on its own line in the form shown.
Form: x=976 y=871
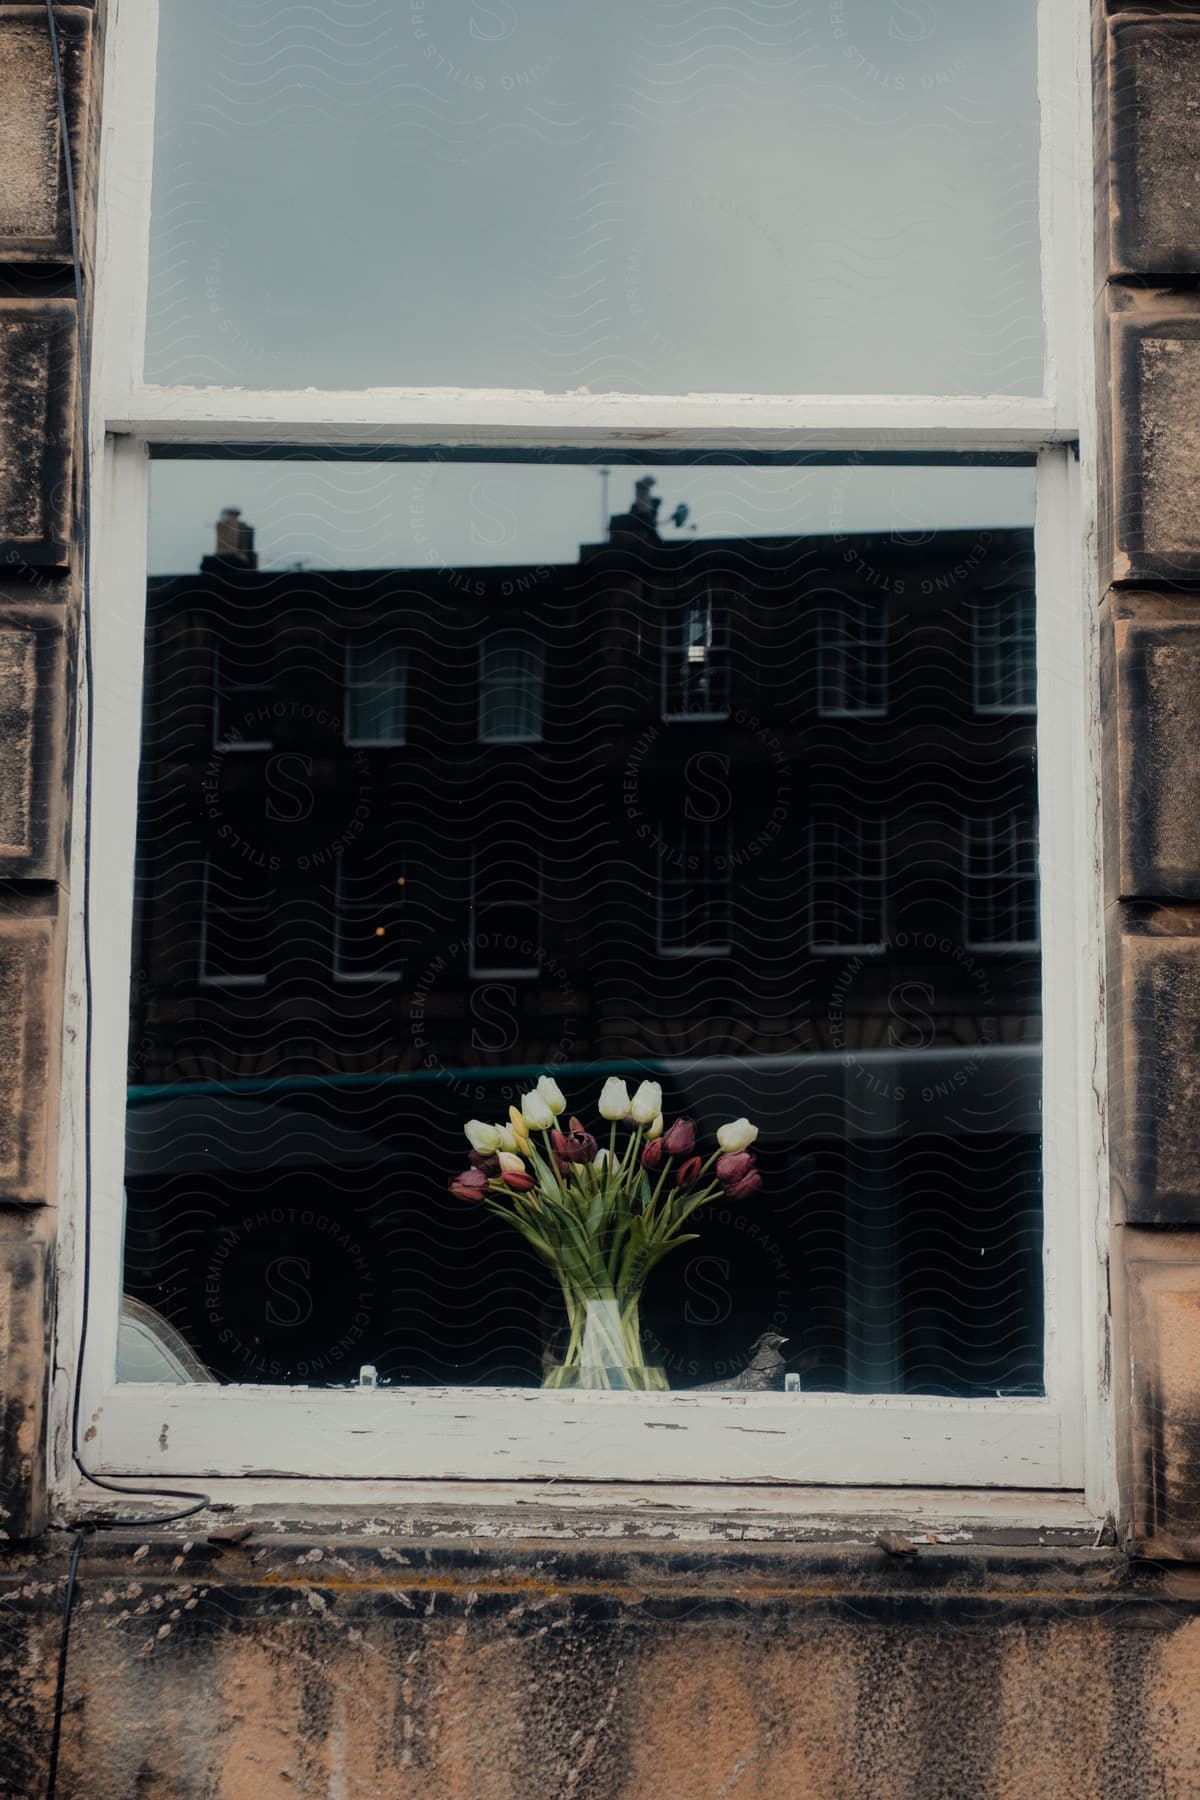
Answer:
x=519 y=1180
x=489 y=1164
x=680 y=1138
x=742 y=1190
x=653 y=1156
x=688 y=1172
x=574 y=1146
x=733 y=1165
x=470 y=1185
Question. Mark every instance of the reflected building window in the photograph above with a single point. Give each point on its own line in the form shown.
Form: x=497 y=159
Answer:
x=506 y=913
x=376 y=693
x=695 y=670
x=369 y=940
x=695 y=889
x=1004 y=653
x=237 y=907
x=511 y=679
x=847 y=867
x=241 y=710
x=852 y=661
x=1000 y=878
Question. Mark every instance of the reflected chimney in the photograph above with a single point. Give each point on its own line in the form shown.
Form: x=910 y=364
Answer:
x=640 y=524
x=235 y=543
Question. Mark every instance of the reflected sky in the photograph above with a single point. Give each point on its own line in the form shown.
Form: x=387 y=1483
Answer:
x=430 y=515
x=648 y=195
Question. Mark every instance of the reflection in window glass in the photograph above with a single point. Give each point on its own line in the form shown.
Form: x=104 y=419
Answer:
x=852 y=646
x=761 y=197
x=369 y=915
x=848 y=883
x=241 y=708
x=695 y=885
x=237 y=907
x=1004 y=654
x=1001 y=881
x=696 y=659
x=376 y=676
x=510 y=688
x=344 y=950
x=506 y=909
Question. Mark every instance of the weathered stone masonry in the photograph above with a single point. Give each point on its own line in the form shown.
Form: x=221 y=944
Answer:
x=39 y=604
x=464 y=1658
x=1148 y=335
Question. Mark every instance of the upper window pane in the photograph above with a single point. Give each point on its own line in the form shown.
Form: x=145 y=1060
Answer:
x=658 y=197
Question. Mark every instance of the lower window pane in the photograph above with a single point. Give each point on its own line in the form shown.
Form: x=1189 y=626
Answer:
x=743 y=803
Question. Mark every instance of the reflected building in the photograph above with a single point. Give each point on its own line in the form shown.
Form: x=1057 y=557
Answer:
x=756 y=815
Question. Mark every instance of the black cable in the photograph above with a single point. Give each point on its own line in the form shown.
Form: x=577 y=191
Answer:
x=60 y=1687
x=201 y=1500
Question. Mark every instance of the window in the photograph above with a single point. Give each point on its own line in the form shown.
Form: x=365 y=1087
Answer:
x=370 y=942
x=506 y=912
x=376 y=689
x=241 y=708
x=510 y=688
x=852 y=672
x=1001 y=881
x=695 y=889
x=833 y=451
x=1004 y=653
x=847 y=870
x=696 y=660
x=236 y=926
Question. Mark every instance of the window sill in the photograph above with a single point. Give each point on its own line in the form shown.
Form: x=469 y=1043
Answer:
x=576 y=1511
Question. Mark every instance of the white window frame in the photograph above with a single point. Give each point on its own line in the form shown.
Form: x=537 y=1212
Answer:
x=303 y=1441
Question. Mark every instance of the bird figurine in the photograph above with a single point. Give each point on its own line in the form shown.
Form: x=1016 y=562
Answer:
x=763 y=1374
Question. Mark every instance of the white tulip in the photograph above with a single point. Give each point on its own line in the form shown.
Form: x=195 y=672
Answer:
x=510 y=1165
x=535 y=1111
x=601 y=1160
x=484 y=1138
x=507 y=1137
x=646 y=1104
x=614 y=1099
x=739 y=1135
x=656 y=1127
x=552 y=1094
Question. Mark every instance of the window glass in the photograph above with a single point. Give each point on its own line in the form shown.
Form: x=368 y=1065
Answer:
x=376 y=678
x=775 y=195
x=823 y=918
x=510 y=688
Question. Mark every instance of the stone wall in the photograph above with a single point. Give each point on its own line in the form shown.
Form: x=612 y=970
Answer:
x=40 y=435
x=1148 y=338
x=461 y=1671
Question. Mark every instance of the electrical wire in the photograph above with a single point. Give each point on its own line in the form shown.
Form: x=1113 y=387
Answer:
x=199 y=1501
x=60 y=1686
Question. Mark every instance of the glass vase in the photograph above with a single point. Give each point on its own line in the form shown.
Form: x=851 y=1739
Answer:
x=604 y=1349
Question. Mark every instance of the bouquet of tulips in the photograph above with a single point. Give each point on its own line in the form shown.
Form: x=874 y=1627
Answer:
x=602 y=1215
